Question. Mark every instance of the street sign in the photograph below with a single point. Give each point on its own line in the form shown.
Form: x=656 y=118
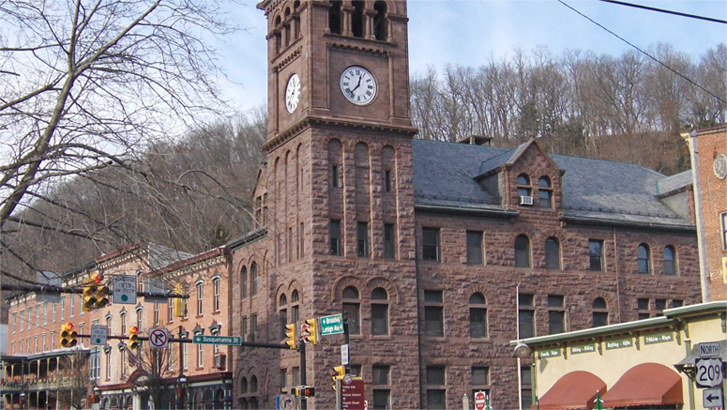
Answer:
x=352 y=395
x=712 y=398
x=344 y=355
x=217 y=340
x=709 y=372
x=124 y=289
x=480 y=400
x=285 y=402
x=158 y=338
x=331 y=325
x=98 y=335
x=709 y=350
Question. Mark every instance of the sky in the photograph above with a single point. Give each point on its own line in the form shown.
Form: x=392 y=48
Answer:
x=471 y=32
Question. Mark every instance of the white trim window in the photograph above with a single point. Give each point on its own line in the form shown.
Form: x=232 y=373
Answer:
x=200 y=298
x=723 y=219
x=217 y=286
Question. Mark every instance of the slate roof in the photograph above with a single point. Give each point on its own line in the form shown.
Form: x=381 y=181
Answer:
x=674 y=182
x=594 y=189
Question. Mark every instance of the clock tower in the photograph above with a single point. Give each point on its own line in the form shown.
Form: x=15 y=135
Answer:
x=336 y=194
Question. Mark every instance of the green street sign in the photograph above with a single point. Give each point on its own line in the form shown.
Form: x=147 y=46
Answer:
x=217 y=340
x=331 y=325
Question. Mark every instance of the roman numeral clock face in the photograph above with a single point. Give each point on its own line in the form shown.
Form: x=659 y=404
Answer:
x=292 y=93
x=358 y=85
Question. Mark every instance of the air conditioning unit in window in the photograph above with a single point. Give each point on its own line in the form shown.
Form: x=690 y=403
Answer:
x=220 y=361
x=526 y=200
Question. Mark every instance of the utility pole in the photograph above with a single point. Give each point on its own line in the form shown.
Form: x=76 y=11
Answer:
x=303 y=378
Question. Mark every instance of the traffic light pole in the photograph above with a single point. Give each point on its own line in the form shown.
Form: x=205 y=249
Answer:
x=303 y=378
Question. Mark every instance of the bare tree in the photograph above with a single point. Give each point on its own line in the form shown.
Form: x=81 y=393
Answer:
x=89 y=85
x=77 y=385
x=156 y=382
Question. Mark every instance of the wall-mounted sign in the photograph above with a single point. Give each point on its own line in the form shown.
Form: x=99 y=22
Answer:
x=658 y=338
x=544 y=354
x=618 y=343
x=589 y=348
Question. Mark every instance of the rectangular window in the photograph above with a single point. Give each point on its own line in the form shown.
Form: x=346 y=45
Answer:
x=296 y=376
x=123 y=363
x=253 y=325
x=556 y=314
x=20 y=344
x=362 y=239
x=381 y=399
x=335 y=236
x=53 y=313
x=595 y=253
x=527 y=387
x=643 y=306
x=53 y=340
x=436 y=393
x=45 y=313
x=379 y=319
x=723 y=219
x=170 y=310
x=430 y=244
x=156 y=314
x=15 y=321
x=45 y=337
x=659 y=306
x=289 y=245
x=37 y=315
x=185 y=355
x=381 y=374
x=200 y=299
x=12 y=348
x=301 y=243
x=30 y=319
x=72 y=307
x=677 y=303
x=283 y=379
x=80 y=299
x=200 y=355
x=245 y=335
x=474 y=247
x=283 y=322
x=217 y=285
x=63 y=308
x=35 y=344
x=140 y=319
x=351 y=311
x=334 y=176
x=387 y=180
x=389 y=241
x=108 y=366
x=526 y=316
x=433 y=313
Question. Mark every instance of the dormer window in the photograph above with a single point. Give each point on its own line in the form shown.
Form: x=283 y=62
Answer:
x=545 y=193
x=524 y=190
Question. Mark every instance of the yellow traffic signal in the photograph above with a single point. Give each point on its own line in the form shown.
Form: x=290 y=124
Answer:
x=102 y=296
x=133 y=337
x=89 y=297
x=340 y=373
x=178 y=303
x=312 y=329
x=69 y=337
x=290 y=336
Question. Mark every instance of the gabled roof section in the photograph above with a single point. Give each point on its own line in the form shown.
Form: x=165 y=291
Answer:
x=593 y=190
x=674 y=183
x=508 y=158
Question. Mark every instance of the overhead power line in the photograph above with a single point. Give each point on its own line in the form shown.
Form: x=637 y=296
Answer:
x=687 y=79
x=676 y=13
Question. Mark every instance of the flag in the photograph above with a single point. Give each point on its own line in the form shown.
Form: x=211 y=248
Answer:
x=598 y=401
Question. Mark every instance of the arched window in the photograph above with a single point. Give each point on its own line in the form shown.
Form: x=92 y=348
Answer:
x=545 y=193
x=286 y=27
x=644 y=258
x=552 y=253
x=243 y=282
x=243 y=385
x=282 y=303
x=295 y=306
x=600 y=312
x=140 y=318
x=253 y=279
x=122 y=322
x=522 y=251
x=478 y=316
x=277 y=34
x=670 y=260
x=379 y=312
x=381 y=23
x=335 y=17
x=523 y=186
x=357 y=18
x=351 y=304
x=253 y=384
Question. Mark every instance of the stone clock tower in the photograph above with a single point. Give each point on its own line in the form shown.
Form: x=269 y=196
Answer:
x=335 y=198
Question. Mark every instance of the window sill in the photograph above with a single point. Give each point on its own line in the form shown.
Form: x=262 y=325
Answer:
x=382 y=337
x=435 y=338
x=199 y=316
x=480 y=340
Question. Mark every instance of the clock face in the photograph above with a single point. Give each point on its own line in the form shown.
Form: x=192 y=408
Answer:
x=292 y=93
x=720 y=166
x=358 y=85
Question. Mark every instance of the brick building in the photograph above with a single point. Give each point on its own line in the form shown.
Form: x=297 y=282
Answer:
x=708 y=149
x=37 y=369
x=439 y=253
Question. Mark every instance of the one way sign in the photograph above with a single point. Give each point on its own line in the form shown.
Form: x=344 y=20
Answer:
x=712 y=398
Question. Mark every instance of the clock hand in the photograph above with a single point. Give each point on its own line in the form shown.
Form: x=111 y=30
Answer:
x=357 y=85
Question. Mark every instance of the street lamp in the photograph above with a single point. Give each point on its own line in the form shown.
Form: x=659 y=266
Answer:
x=22 y=399
x=181 y=386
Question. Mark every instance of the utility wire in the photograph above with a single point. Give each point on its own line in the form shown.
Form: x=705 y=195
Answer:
x=687 y=79
x=676 y=13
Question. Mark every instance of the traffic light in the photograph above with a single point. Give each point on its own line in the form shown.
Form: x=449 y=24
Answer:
x=69 y=337
x=89 y=297
x=178 y=303
x=290 y=336
x=133 y=337
x=102 y=296
x=305 y=391
x=312 y=329
x=340 y=373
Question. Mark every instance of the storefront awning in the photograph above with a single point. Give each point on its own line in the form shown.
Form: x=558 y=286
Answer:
x=575 y=390
x=644 y=385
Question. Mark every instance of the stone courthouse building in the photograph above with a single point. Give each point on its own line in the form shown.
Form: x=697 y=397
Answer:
x=439 y=253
